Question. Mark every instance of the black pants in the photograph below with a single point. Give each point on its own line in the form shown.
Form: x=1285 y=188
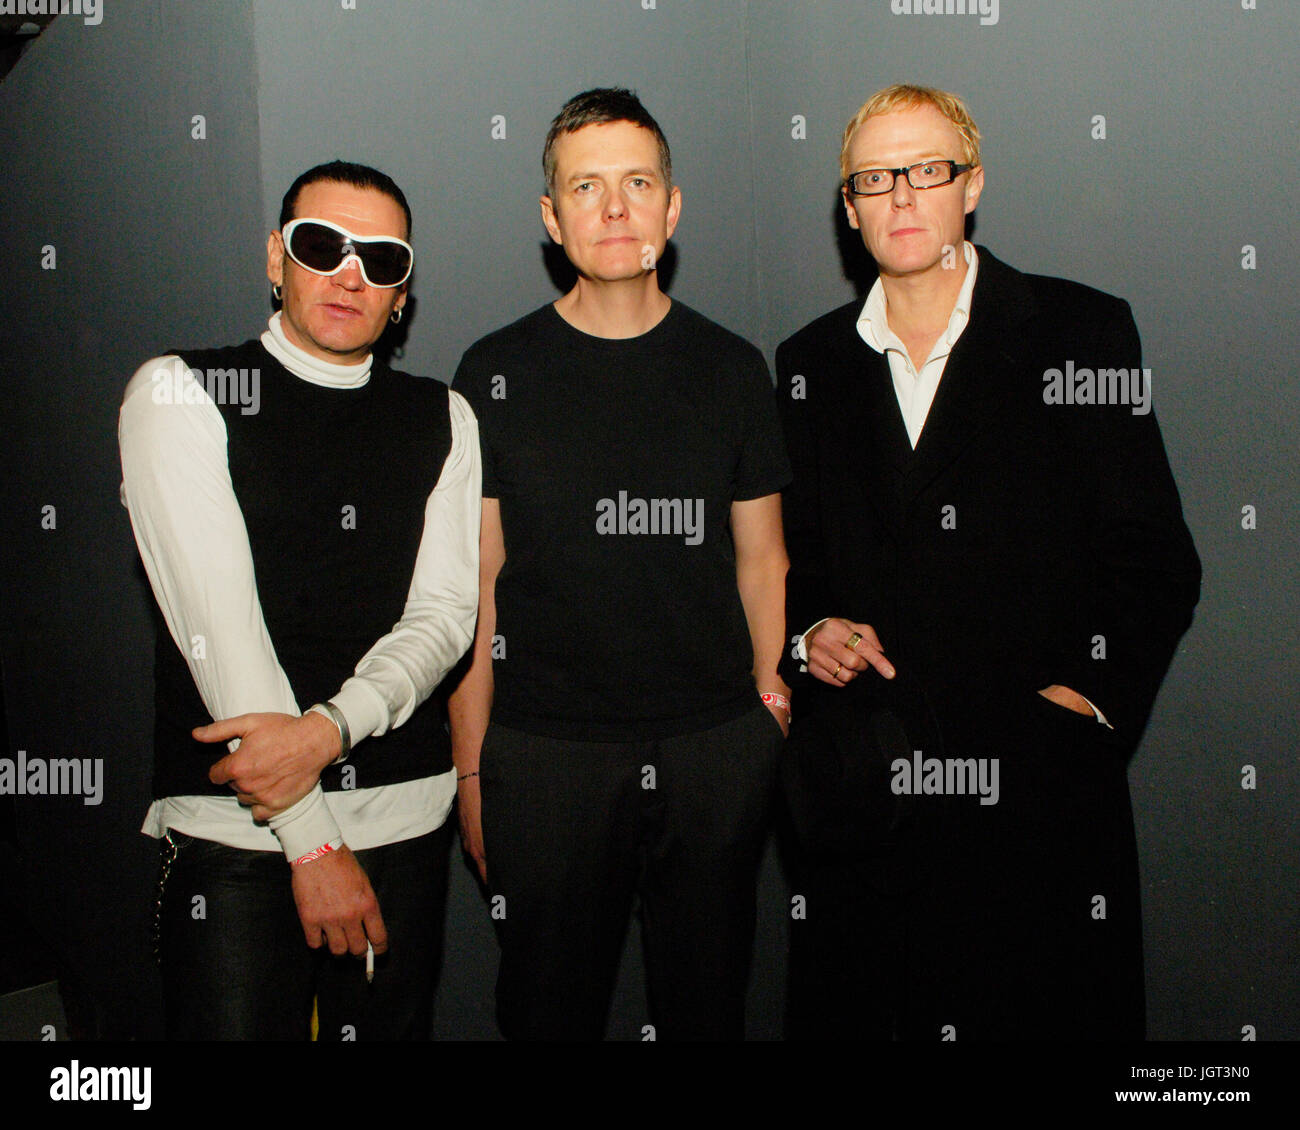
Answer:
x=573 y=830
x=235 y=965
x=1019 y=920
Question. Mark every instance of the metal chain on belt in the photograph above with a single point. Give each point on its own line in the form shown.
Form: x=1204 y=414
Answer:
x=169 y=851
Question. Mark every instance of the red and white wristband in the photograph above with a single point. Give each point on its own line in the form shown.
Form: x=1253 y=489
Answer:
x=771 y=698
x=325 y=849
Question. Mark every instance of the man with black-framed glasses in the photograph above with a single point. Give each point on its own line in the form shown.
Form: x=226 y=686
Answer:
x=308 y=519
x=989 y=574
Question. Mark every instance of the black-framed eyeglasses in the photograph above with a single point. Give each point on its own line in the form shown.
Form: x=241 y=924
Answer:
x=924 y=174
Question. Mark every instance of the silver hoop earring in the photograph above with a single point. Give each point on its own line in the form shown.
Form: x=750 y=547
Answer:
x=396 y=316
x=277 y=293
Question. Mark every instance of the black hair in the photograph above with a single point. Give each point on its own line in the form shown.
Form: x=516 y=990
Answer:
x=344 y=172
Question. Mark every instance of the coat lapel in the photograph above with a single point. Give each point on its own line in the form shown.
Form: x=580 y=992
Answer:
x=867 y=425
x=883 y=426
x=982 y=363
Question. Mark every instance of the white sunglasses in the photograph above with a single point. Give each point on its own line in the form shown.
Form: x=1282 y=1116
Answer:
x=325 y=249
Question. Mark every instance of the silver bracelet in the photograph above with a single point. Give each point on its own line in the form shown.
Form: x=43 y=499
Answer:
x=335 y=715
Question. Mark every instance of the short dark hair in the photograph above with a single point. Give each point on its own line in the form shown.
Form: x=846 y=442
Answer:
x=344 y=172
x=596 y=108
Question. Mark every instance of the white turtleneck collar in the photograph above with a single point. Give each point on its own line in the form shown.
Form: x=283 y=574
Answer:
x=302 y=364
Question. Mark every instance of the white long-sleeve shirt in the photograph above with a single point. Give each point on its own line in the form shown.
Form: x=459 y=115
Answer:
x=192 y=539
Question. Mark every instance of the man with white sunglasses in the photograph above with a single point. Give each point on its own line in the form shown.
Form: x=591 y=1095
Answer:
x=308 y=519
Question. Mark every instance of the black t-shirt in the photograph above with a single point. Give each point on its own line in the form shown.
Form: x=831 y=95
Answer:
x=616 y=462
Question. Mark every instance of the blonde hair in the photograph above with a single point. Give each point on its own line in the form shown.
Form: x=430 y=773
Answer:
x=902 y=96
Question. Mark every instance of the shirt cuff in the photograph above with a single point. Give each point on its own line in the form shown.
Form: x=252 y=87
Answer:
x=363 y=707
x=304 y=826
x=801 y=648
x=1100 y=716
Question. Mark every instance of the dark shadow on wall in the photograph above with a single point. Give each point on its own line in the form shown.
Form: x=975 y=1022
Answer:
x=32 y=955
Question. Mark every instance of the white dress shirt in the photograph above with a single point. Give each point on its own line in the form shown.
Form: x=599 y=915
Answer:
x=915 y=391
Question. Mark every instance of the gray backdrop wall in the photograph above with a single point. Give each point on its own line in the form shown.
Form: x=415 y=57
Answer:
x=159 y=238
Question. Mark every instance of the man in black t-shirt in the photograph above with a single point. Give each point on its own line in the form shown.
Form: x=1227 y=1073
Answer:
x=632 y=587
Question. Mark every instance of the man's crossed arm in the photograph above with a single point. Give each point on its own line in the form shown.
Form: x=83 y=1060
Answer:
x=194 y=545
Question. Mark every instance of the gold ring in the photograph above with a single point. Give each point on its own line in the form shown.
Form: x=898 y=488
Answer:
x=836 y=673
x=852 y=642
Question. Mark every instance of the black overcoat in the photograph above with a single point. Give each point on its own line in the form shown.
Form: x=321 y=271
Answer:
x=1022 y=543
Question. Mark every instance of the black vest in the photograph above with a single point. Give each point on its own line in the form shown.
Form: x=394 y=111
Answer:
x=332 y=484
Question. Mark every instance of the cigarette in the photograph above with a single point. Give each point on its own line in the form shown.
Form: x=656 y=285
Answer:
x=370 y=963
